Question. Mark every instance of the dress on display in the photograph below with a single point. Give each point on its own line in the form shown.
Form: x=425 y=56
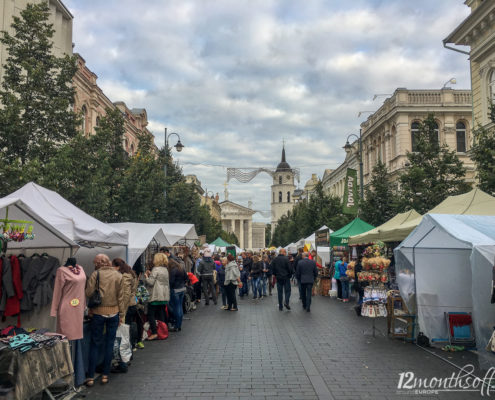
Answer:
x=69 y=301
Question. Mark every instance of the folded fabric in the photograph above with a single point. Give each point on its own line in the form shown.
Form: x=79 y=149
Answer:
x=459 y=320
x=22 y=343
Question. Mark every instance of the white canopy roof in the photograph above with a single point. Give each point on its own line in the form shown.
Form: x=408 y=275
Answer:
x=46 y=235
x=177 y=232
x=67 y=218
x=140 y=236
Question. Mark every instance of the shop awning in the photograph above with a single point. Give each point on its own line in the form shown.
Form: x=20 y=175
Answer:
x=383 y=232
x=475 y=202
x=140 y=236
x=341 y=236
x=74 y=223
x=219 y=242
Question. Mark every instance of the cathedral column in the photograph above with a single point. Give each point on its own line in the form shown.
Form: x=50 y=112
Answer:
x=241 y=233
x=250 y=233
x=232 y=225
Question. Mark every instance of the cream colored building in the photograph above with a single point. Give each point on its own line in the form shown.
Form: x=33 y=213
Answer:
x=238 y=219
x=210 y=201
x=388 y=134
x=282 y=191
x=259 y=229
x=60 y=17
x=478 y=32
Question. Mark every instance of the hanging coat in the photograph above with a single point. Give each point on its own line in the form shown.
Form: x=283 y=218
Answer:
x=13 y=304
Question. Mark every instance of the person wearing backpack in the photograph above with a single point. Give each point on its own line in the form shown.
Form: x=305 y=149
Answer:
x=157 y=281
x=205 y=269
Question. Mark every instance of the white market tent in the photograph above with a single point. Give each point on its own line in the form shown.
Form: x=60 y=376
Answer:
x=179 y=232
x=140 y=236
x=445 y=265
x=68 y=219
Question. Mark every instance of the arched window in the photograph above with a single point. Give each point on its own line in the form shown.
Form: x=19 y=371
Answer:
x=132 y=149
x=460 y=134
x=288 y=197
x=414 y=135
x=280 y=197
x=84 y=112
x=280 y=180
x=97 y=121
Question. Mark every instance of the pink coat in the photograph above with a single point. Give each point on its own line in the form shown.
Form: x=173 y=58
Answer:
x=69 y=302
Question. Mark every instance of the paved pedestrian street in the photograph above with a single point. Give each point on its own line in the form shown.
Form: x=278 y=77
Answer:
x=263 y=353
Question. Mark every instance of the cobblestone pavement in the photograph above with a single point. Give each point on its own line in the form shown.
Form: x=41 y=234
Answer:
x=263 y=353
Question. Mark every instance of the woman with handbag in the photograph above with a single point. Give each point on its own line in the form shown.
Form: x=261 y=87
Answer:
x=106 y=301
x=344 y=279
x=157 y=281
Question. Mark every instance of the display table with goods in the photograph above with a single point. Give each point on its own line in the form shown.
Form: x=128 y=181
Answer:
x=375 y=273
x=338 y=252
x=32 y=362
x=325 y=280
x=400 y=322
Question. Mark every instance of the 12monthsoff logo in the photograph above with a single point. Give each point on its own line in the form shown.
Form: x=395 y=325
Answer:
x=462 y=381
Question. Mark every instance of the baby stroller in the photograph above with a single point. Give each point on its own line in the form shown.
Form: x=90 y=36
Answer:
x=189 y=299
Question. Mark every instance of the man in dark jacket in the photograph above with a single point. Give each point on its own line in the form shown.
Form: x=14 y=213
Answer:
x=296 y=261
x=205 y=269
x=283 y=272
x=306 y=273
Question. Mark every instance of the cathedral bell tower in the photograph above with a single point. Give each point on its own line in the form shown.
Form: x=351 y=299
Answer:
x=282 y=190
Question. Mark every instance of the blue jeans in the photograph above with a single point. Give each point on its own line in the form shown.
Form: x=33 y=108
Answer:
x=283 y=285
x=176 y=300
x=264 y=280
x=256 y=287
x=98 y=339
x=245 y=288
x=345 y=290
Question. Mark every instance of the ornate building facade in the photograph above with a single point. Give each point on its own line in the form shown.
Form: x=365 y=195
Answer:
x=478 y=32
x=388 y=134
x=238 y=219
x=210 y=201
x=282 y=191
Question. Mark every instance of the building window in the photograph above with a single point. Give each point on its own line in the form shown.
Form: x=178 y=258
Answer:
x=393 y=142
x=288 y=197
x=132 y=149
x=491 y=85
x=460 y=133
x=414 y=135
x=280 y=180
x=273 y=197
x=84 y=112
x=97 y=121
x=280 y=197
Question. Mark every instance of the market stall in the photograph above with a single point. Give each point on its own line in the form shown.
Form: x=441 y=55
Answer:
x=180 y=233
x=341 y=236
x=445 y=266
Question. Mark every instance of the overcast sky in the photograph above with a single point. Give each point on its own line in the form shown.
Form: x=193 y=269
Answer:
x=236 y=77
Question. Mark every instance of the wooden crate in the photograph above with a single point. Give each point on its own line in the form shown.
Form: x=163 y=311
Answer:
x=325 y=285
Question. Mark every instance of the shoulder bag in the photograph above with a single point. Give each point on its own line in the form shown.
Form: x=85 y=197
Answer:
x=95 y=299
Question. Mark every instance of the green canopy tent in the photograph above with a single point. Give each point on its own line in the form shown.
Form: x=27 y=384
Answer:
x=219 y=242
x=355 y=227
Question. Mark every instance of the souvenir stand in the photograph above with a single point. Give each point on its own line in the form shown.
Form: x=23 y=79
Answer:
x=25 y=233
x=322 y=241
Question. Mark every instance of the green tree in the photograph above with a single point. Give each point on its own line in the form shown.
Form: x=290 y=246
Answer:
x=380 y=202
x=37 y=94
x=483 y=155
x=434 y=171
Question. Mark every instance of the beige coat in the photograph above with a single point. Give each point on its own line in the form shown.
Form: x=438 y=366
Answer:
x=158 y=284
x=129 y=287
x=112 y=295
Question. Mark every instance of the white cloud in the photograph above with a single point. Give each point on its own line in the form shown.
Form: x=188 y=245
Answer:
x=234 y=78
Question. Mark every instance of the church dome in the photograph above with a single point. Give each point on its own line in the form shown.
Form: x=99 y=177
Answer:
x=283 y=165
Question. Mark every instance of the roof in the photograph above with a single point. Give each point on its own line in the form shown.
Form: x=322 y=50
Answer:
x=283 y=165
x=74 y=223
x=219 y=242
x=475 y=202
x=382 y=232
x=355 y=227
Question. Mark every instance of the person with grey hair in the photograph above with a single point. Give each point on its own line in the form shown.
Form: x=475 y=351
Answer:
x=306 y=273
x=283 y=272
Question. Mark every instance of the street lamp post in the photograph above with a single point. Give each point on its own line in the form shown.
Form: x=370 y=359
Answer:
x=178 y=146
x=348 y=147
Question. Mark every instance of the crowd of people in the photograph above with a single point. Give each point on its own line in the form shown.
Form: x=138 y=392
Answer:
x=156 y=295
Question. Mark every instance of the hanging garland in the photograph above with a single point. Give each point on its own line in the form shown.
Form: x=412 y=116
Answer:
x=15 y=230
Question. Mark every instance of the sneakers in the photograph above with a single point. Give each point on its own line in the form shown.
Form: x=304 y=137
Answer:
x=140 y=345
x=223 y=307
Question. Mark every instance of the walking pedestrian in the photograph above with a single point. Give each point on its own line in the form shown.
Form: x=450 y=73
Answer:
x=256 y=272
x=267 y=276
x=221 y=282
x=177 y=280
x=296 y=261
x=336 y=276
x=157 y=281
x=344 y=279
x=232 y=280
x=205 y=269
x=306 y=274
x=283 y=273
x=106 y=317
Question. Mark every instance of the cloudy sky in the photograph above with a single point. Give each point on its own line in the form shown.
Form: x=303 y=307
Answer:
x=235 y=77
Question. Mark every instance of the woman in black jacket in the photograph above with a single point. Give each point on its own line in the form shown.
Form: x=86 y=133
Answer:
x=255 y=276
x=177 y=281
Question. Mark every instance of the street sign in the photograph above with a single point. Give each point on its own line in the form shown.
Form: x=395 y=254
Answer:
x=322 y=238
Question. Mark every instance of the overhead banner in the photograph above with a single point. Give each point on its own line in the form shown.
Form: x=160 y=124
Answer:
x=350 y=205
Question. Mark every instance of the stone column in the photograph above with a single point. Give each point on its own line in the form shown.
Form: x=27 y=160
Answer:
x=232 y=225
x=250 y=233
x=241 y=233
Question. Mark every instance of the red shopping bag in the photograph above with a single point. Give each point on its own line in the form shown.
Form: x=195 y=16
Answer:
x=161 y=330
